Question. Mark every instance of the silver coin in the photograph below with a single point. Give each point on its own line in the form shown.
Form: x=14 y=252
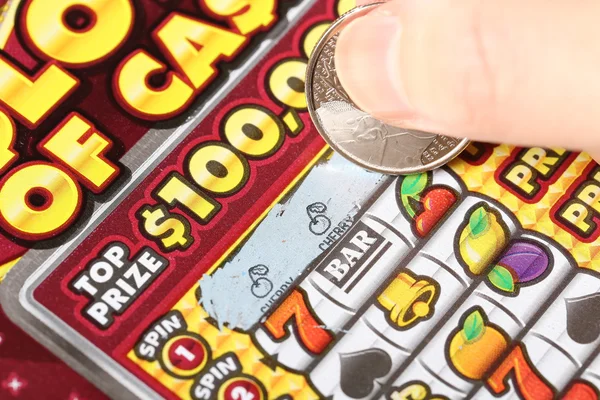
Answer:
x=357 y=135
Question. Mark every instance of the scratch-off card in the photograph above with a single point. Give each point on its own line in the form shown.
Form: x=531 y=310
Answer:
x=173 y=226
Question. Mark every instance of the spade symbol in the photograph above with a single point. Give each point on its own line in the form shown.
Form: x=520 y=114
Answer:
x=583 y=324
x=359 y=371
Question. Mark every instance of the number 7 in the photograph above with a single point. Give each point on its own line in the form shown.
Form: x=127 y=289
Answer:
x=528 y=382
x=308 y=328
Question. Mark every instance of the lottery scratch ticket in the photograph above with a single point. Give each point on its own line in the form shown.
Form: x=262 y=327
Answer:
x=179 y=229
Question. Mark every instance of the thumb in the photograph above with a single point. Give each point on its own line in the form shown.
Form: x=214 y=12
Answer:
x=523 y=73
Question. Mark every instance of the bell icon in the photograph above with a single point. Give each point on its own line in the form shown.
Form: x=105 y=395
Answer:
x=409 y=300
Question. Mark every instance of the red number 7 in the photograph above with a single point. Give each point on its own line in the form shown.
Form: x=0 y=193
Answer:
x=307 y=327
x=529 y=384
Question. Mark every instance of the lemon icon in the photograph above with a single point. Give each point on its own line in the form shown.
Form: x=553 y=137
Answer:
x=482 y=239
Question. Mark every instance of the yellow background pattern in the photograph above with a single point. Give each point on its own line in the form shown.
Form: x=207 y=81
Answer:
x=536 y=216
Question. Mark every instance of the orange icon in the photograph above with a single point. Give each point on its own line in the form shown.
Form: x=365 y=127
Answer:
x=475 y=346
x=409 y=300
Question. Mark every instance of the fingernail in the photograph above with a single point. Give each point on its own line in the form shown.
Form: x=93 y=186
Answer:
x=365 y=58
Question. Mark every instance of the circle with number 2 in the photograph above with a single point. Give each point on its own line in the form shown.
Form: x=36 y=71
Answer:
x=185 y=355
x=241 y=388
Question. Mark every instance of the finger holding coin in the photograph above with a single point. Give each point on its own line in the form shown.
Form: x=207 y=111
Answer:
x=357 y=135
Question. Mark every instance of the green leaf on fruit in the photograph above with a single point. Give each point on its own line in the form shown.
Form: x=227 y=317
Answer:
x=412 y=186
x=474 y=326
x=479 y=221
x=501 y=278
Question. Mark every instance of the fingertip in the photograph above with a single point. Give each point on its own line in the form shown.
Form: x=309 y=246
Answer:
x=595 y=154
x=364 y=55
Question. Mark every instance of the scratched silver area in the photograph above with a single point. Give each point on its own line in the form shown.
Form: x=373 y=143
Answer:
x=357 y=135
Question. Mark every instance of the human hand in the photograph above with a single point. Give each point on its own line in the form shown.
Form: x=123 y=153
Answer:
x=522 y=73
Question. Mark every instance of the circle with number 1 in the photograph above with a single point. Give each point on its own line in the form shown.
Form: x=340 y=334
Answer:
x=185 y=355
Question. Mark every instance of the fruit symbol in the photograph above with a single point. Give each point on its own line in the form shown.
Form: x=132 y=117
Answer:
x=482 y=239
x=414 y=390
x=524 y=262
x=319 y=222
x=426 y=206
x=409 y=300
x=261 y=285
x=475 y=347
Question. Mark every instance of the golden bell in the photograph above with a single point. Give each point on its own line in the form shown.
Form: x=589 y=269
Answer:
x=408 y=300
